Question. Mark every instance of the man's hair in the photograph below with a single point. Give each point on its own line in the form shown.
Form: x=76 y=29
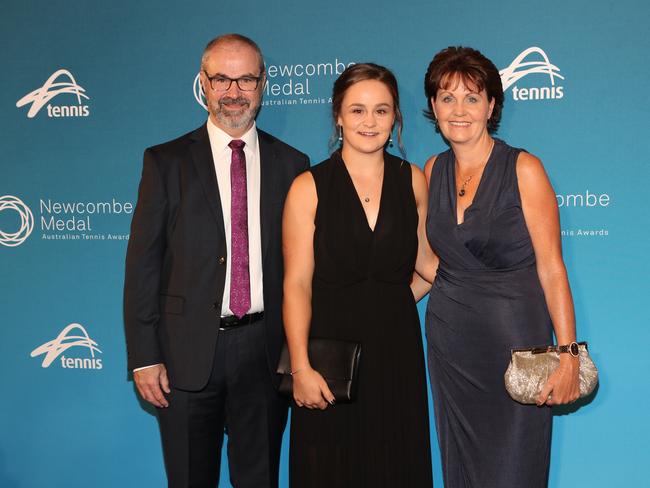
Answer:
x=232 y=39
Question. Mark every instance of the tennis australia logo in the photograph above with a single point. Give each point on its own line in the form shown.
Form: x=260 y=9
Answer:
x=60 y=83
x=529 y=65
x=13 y=239
x=73 y=336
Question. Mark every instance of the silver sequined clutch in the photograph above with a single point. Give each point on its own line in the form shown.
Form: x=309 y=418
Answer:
x=529 y=370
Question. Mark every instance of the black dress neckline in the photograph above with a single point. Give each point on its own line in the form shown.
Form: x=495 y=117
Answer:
x=357 y=197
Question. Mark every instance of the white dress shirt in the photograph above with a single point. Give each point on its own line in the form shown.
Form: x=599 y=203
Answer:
x=222 y=156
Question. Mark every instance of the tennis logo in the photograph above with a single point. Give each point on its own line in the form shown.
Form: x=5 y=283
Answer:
x=13 y=239
x=528 y=64
x=59 y=83
x=65 y=340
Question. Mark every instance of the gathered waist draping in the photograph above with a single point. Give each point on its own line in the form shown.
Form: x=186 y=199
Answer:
x=507 y=283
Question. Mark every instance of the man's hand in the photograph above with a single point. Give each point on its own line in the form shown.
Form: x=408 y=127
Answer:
x=151 y=382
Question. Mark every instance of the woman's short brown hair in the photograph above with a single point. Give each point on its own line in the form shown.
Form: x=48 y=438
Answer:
x=473 y=69
x=361 y=72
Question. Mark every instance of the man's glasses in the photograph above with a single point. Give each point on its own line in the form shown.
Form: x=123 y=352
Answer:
x=223 y=83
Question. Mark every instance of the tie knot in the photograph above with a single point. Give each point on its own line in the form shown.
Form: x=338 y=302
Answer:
x=236 y=144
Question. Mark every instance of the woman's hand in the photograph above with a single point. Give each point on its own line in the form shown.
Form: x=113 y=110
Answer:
x=563 y=386
x=310 y=389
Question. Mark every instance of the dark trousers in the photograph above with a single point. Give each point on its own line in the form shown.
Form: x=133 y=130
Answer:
x=240 y=400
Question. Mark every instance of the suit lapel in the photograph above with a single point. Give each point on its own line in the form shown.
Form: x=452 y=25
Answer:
x=268 y=188
x=204 y=164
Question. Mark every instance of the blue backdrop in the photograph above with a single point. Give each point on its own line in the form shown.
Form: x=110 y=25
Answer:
x=577 y=78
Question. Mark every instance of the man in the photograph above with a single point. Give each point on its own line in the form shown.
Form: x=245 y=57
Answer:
x=203 y=285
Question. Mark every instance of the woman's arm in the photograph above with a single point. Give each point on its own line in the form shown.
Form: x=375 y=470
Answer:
x=542 y=219
x=419 y=286
x=428 y=166
x=426 y=263
x=309 y=387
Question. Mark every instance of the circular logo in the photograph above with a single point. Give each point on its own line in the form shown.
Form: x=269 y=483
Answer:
x=13 y=239
x=198 y=91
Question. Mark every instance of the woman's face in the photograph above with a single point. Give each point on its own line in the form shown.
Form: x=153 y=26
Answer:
x=462 y=112
x=367 y=116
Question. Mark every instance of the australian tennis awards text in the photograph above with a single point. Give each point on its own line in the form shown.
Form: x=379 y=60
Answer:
x=78 y=216
x=289 y=80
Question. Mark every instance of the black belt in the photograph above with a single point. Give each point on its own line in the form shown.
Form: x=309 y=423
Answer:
x=232 y=322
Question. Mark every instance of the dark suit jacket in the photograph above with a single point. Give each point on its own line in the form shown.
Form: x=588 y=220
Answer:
x=176 y=258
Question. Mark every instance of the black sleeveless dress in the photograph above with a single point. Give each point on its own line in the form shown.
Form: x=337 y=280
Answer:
x=361 y=293
x=486 y=299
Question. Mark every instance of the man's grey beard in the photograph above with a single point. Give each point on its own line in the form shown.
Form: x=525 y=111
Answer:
x=234 y=120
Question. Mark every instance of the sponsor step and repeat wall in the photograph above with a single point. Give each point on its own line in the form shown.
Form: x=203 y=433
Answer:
x=86 y=86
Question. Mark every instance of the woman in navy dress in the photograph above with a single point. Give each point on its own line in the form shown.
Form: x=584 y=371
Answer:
x=501 y=283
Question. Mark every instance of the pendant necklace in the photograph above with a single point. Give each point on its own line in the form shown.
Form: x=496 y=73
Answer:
x=366 y=199
x=461 y=191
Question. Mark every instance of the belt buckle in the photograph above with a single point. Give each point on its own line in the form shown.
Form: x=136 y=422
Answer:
x=247 y=319
x=233 y=322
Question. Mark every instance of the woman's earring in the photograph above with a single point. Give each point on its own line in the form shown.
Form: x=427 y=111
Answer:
x=340 y=133
x=390 y=141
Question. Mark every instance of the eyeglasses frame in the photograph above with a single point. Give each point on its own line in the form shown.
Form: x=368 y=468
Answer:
x=236 y=80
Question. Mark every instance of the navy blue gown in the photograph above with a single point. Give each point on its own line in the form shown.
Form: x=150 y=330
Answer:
x=486 y=299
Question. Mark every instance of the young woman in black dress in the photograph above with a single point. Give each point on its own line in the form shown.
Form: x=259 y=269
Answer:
x=353 y=234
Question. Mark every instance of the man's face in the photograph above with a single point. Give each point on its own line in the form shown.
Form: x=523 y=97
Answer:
x=234 y=109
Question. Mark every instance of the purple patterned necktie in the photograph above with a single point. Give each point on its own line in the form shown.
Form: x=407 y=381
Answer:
x=240 y=281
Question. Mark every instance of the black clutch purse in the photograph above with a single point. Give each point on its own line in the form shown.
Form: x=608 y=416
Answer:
x=337 y=361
